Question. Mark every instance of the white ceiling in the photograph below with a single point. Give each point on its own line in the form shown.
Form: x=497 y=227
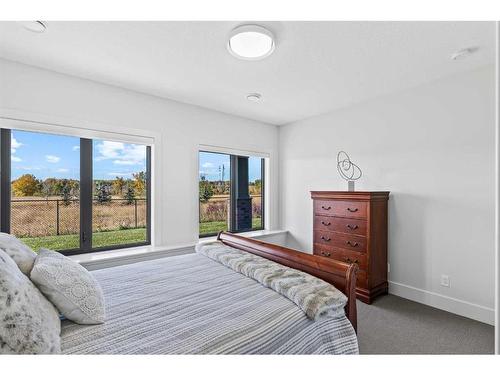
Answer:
x=316 y=67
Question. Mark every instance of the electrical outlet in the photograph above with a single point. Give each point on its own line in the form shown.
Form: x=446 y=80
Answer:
x=445 y=280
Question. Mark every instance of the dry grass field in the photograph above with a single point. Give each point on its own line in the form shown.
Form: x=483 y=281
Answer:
x=53 y=224
x=39 y=217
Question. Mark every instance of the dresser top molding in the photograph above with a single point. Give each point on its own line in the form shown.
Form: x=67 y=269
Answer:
x=351 y=195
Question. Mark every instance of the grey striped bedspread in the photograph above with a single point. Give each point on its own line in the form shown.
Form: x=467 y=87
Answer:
x=191 y=304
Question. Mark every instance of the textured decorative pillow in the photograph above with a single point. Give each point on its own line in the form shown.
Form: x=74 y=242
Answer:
x=29 y=324
x=69 y=286
x=18 y=251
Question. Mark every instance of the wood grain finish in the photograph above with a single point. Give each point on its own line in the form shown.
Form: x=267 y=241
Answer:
x=340 y=274
x=344 y=255
x=340 y=208
x=352 y=227
x=344 y=240
x=339 y=224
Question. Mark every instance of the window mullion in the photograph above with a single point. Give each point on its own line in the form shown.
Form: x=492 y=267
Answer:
x=233 y=192
x=85 y=194
x=5 y=159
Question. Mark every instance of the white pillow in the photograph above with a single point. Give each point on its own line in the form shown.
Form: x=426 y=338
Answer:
x=69 y=286
x=18 y=251
x=29 y=324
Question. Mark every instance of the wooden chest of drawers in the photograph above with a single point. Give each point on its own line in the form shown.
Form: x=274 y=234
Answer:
x=351 y=226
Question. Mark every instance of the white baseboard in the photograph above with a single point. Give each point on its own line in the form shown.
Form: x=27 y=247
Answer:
x=453 y=305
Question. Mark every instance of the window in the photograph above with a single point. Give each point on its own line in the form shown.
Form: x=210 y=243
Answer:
x=74 y=194
x=255 y=179
x=119 y=190
x=231 y=193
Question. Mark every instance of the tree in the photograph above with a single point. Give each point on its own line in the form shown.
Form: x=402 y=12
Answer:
x=49 y=187
x=26 y=186
x=118 y=186
x=140 y=183
x=206 y=190
x=66 y=192
x=103 y=194
x=129 y=194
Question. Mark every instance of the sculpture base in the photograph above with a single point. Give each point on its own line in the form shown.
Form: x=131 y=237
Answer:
x=350 y=185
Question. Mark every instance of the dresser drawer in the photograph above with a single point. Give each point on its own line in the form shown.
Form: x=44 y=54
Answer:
x=339 y=224
x=343 y=240
x=323 y=207
x=352 y=209
x=343 y=255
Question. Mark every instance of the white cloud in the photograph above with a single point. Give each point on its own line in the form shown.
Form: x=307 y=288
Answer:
x=121 y=153
x=52 y=158
x=15 y=159
x=124 y=162
x=76 y=148
x=14 y=144
x=207 y=165
x=62 y=170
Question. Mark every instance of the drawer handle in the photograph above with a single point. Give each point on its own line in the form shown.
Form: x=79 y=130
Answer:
x=349 y=260
x=327 y=239
x=352 y=227
x=325 y=224
x=352 y=244
x=325 y=254
x=352 y=209
x=326 y=208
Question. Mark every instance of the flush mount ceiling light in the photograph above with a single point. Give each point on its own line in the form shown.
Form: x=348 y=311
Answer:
x=254 y=97
x=251 y=42
x=34 y=26
x=463 y=53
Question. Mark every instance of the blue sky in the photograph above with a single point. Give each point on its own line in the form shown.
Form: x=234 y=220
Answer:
x=47 y=155
x=211 y=166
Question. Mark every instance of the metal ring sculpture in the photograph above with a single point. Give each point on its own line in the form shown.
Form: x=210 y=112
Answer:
x=347 y=169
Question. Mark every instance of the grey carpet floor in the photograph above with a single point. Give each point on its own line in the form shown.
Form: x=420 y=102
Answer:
x=393 y=325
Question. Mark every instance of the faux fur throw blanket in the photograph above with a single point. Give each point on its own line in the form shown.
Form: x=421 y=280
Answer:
x=315 y=297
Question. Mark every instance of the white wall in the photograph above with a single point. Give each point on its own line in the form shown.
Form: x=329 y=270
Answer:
x=35 y=94
x=433 y=147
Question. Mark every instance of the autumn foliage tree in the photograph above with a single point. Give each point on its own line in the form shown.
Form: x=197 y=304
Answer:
x=25 y=186
x=140 y=183
x=118 y=185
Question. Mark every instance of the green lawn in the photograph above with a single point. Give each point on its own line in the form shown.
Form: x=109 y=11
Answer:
x=99 y=239
x=215 y=227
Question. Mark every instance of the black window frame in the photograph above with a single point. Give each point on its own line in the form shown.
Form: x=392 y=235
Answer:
x=86 y=194
x=232 y=196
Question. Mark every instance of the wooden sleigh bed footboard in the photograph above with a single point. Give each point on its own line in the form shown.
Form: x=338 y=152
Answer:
x=339 y=274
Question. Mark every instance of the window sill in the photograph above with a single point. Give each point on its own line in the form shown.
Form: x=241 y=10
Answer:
x=252 y=234
x=112 y=258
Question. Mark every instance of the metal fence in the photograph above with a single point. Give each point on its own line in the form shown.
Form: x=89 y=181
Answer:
x=53 y=217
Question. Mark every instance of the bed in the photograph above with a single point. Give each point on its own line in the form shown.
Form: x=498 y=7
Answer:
x=190 y=304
